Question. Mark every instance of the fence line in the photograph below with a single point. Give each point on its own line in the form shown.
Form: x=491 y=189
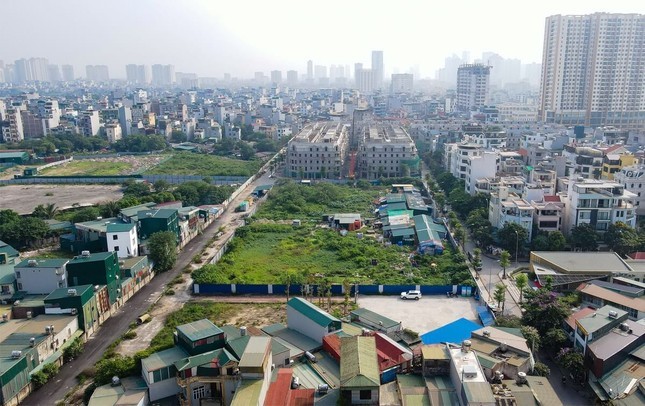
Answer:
x=210 y=289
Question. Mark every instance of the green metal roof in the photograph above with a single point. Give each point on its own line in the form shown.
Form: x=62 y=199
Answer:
x=238 y=345
x=372 y=317
x=319 y=316
x=43 y=263
x=119 y=227
x=156 y=213
x=163 y=358
x=7 y=275
x=395 y=198
x=132 y=211
x=20 y=154
x=8 y=249
x=199 y=329
x=600 y=318
x=96 y=256
x=486 y=361
x=358 y=363
x=403 y=232
x=64 y=292
x=248 y=393
x=219 y=356
x=97 y=225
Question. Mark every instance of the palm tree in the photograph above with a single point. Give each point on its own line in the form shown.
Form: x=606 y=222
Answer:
x=504 y=261
x=51 y=210
x=521 y=281
x=110 y=208
x=499 y=294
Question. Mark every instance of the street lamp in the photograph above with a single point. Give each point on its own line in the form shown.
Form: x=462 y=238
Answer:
x=517 y=243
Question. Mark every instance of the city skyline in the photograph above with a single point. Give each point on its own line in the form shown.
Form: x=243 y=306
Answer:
x=226 y=38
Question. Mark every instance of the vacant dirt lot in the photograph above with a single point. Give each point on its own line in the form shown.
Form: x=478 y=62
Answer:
x=123 y=165
x=24 y=198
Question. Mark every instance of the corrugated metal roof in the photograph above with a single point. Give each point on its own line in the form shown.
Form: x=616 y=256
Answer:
x=479 y=393
x=375 y=318
x=317 y=315
x=43 y=263
x=544 y=392
x=199 y=329
x=358 y=363
x=255 y=352
x=211 y=358
x=163 y=358
x=248 y=393
x=435 y=351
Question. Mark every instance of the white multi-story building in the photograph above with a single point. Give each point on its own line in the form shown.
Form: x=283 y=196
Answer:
x=472 y=86
x=478 y=166
x=41 y=276
x=506 y=207
x=385 y=150
x=402 y=83
x=592 y=72
x=122 y=238
x=16 y=131
x=318 y=151
x=633 y=179
x=89 y=123
x=457 y=156
x=597 y=202
x=113 y=132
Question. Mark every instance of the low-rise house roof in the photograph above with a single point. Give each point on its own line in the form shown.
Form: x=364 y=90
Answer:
x=581 y=262
x=358 y=363
x=599 y=319
x=43 y=263
x=571 y=320
x=199 y=329
x=617 y=339
x=608 y=295
x=314 y=313
x=372 y=318
x=210 y=359
x=163 y=358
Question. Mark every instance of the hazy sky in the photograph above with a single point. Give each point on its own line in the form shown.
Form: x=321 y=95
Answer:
x=211 y=37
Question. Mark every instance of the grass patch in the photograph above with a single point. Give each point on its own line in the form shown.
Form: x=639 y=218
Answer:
x=290 y=200
x=88 y=168
x=187 y=163
x=215 y=312
x=55 y=254
x=261 y=253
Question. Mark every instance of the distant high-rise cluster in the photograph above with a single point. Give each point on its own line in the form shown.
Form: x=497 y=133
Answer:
x=97 y=73
x=593 y=70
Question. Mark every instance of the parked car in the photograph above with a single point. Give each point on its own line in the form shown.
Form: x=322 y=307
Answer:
x=411 y=294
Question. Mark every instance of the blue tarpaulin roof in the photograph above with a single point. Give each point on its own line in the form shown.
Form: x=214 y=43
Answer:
x=485 y=316
x=454 y=332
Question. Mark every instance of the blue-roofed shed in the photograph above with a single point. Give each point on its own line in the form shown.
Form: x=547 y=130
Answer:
x=454 y=332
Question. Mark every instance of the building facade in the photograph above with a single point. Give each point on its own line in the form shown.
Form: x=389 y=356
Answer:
x=592 y=70
x=318 y=151
x=472 y=86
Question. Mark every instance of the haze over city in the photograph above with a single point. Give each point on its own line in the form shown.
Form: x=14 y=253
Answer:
x=213 y=38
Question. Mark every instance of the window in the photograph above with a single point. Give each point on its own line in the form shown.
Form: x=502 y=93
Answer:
x=115 y=237
x=20 y=286
x=17 y=274
x=365 y=395
x=116 y=248
x=199 y=392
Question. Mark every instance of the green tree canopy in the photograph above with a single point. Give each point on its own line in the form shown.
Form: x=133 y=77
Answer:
x=622 y=238
x=163 y=250
x=512 y=236
x=86 y=214
x=543 y=310
x=557 y=241
x=585 y=237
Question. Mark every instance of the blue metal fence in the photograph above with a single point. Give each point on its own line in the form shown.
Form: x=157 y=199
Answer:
x=336 y=290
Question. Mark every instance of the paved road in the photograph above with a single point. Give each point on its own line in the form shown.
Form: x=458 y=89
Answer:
x=55 y=390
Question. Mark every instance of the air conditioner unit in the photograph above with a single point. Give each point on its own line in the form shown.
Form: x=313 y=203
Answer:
x=74 y=312
x=16 y=354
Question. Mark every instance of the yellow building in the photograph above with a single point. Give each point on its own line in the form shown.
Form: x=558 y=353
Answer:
x=612 y=163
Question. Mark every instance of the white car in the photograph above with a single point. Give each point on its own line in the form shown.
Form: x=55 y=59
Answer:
x=411 y=294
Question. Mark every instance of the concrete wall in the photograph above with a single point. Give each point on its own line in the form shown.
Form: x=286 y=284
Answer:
x=40 y=281
x=126 y=241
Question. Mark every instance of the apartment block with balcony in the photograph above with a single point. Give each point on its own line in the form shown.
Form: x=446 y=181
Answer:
x=633 y=179
x=484 y=165
x=385 y=150
x=318 y=151
x=599 y=203
x=457 y=156
x=507 y=207
x=547 y=215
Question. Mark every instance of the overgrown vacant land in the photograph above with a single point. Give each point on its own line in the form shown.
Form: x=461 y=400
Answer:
x=123 y=165
x=289 y=200
x=187 y=163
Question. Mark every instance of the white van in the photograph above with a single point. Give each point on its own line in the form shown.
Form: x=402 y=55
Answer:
x=411 y=294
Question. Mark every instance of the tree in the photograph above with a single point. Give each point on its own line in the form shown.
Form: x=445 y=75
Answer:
x=543 y=310
x=39 y=379
x=477 y=259
x=540 y=243
x=136 y=189
x=110 y=209
x=555 y=338
x=163 y=250
x=532 y=337
x=178 y=136
x=86 y=214
x=73 y=350
x=585 y=237
x=622 y=239
x=508 y=321
x=460 y=234
x=45 y=212
x=161 y=186
x=504 y=261
x=246 y=151
x=521 y=281
x=572 y=361
x=540 y=369
x=117 y=365
x=511 y=237
x=499 y=294
x=557 y=241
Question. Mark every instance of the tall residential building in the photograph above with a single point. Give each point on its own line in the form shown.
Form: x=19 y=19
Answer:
x=32 y=69
x=377 y=68
x=53 y=73
x=472 y=86
x=385 y=150
x=276 y=76
x=364 y=80
x=163 y=75
x=310 y=69
x=318 y=151
x=16 y=131
x=68 y=73
x=88 y=124
x=292 y=77
x=131 y=73
x=401 y=83
x=97 y=73
x=593 y=70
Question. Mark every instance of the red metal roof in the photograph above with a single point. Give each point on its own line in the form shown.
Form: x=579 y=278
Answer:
x=280 y=392
x=637 y=255
x=571 y=320
x=552 y=198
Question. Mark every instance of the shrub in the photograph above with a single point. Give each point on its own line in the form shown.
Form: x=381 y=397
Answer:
x=130 y=335
x=541 y=369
